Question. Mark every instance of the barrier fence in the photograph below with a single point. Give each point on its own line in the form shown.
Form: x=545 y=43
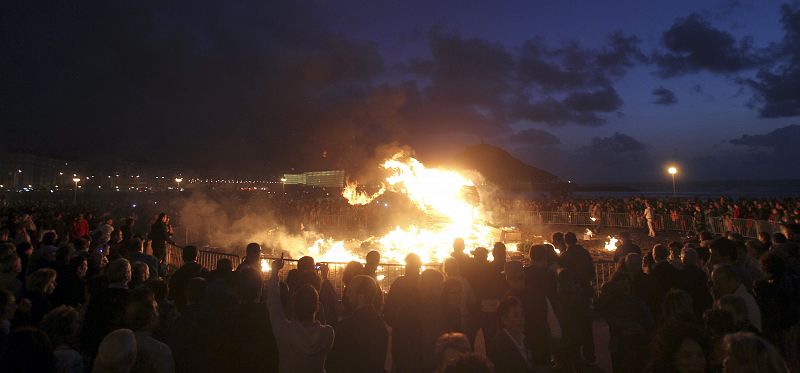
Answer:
x=387 y=273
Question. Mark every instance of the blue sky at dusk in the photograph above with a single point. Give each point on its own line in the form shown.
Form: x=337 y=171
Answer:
x=596 y=91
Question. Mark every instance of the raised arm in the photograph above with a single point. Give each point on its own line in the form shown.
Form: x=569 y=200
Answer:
x=280 y=324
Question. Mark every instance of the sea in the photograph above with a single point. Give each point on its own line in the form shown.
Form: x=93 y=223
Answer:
x=696 y=189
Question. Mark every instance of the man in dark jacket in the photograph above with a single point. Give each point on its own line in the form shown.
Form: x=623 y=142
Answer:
x=694 y=281
x=540 y=286
x=664 y=275
x=578 y=327
x=159 y=235
x=627 y=246
x=181 y=277
x=106 y=307
x=361 y=338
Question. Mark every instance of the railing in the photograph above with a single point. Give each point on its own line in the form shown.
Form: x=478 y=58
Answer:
x=208 y=259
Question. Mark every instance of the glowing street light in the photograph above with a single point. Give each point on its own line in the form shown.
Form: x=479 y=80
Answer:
x=75 y=196
x=672 y=170
x=178 y=181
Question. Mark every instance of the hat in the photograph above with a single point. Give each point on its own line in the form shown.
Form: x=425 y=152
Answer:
x=481 y=251
x=513 y=268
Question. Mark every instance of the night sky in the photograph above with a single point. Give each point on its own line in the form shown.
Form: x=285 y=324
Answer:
x=594 y=91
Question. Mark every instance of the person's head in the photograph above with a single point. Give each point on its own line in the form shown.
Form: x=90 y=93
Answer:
x=11 y=263
x=736 y=306
x=633 y=263
x=362 y=291
x=746 y=352
x=189 y=254
x=677 y=304
x=681 y=348
x=538 y=254
x=253 y=251
x=195 y=290
x=458 y=245
x=352 y=269
x=660 y=253
x=162 y=217
x=450 y=267
x=248 y=284
x=373 y=259
x=764 y=238
x=570 y=239
x=61 y=325
x=4 y=234
x=116 y=235
x=675 y=250
x=8 y=305
x=140 y=272
x=469 y=363
x=688 y=256
x=480 y=254
x=778 y=238
x=558 y=238
x=431 y=285
x=511 y=314
x=514 y=273
x=43 y=281
x=499 y=252
x=450 y=346
x=117 y=352
x=142 y=314
x=413 y=264
x=305 y=263
x=724 y=279
x=119 y=271
x=755 y=249
x=773 y=265
x=49 y=238
x=305 y=300
x=159 y=288
x=791 y=231
x=723 y=251
x=28 y=350
x=625 y=237
x=718 y=322
x=224 y=265
x=83 y=244
x=705 y=236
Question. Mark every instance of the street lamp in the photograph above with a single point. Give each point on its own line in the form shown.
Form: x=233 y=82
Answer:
x=75 y=196
x=178 y=180
x=672 y=171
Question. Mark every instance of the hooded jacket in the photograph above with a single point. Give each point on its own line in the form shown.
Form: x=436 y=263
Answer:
x=301 y=348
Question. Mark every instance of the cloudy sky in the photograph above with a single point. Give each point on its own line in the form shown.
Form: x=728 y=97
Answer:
x=595 y=91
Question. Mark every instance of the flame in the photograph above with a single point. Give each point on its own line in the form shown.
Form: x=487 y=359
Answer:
x=433 y=191
x=354 y=197
x=265 y=266
x=611 y=244
x=589 y=232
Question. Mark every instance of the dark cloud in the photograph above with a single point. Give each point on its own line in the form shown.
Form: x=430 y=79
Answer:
x=693 y=44
x=532 y=137
x=776 y=92
x=781 y=142
x=664 y=96
x=616 y=143
x=578 y=107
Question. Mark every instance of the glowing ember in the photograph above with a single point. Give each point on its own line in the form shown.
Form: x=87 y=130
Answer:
x=589 y=233
x=611 y=244
x=593 y=218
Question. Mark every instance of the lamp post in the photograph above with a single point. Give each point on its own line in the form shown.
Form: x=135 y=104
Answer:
x=672 y=171
x=75 y=195
x=178 y=181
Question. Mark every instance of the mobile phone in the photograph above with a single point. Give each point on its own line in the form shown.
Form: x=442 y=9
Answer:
x=317 y=267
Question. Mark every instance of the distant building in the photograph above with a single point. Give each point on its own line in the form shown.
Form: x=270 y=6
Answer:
x=327 y=179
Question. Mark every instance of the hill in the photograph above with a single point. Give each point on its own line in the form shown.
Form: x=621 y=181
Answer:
x=500 y=167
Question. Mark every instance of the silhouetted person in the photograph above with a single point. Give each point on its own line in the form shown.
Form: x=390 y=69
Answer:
x=71 y=289
x=361 y=338
x=181 y=277
x=106 y=307
x=509 y=349
x=159 y=236
x=692 y=280
x=540 y=287
x=252 y=258
x=725 y=282
x=152 y=356
x=626 y=247
x=373 y=260
x=664 y=276
x=578 y=324
x=251 y=322
x=778 y=296
x=303 y=343
x=489 y=287
x=191 y=339
x=28 y=350
x=136 y=253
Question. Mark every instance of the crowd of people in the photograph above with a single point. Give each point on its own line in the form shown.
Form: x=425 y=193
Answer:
x=92 y=296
